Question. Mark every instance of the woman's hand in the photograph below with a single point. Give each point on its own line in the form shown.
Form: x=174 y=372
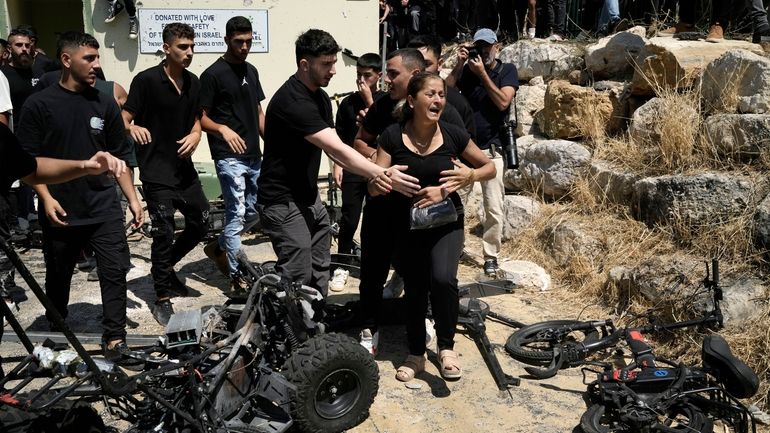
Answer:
x=430 y=195
x=458 y=177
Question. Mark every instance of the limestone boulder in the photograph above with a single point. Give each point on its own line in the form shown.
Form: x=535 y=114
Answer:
x=694 y=200
x=530 y=99
x=654 y=277
x=611 y=184
x=647 y=122
x=568 y=241
x=526 y=275
x=743 y=300
x=551 y=166
x=518 y=213
x=740 y=137
x=674 y=64
x=571 y=111
x=539 y=58
x=737 y=81
x=614 y=55
x=761 y=222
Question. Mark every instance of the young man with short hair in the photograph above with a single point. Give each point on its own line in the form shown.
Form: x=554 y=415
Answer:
x=164 y=104
x=72 y=120
x=233 y=118
x=368 y=73
x=298 y=126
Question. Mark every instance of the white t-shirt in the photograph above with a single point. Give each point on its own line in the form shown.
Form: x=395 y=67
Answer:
x=5 y=99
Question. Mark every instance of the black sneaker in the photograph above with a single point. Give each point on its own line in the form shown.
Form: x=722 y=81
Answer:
x=178 y=287
x=133 y=28
x=760 y=37
x=163 y=311
x=120 y=354
x=113 y=11
x=490 y=267
x=93 y=275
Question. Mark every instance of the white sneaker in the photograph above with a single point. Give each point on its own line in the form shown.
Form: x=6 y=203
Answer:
x=394 y=287
x=369 y=341
x=430 y=331
x=337 y=284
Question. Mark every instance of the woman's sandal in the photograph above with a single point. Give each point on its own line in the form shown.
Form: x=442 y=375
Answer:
x=411 y=366
x=450 y=365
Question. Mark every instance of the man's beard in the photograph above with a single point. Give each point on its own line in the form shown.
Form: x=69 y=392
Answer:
x=23 y=60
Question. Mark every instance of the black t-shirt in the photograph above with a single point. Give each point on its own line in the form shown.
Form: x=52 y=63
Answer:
x=22 y=83
x=459 y=103
x=346 y=126
x=58 y=123
x=380 y=116
x=15 y=163
x=169 y=116
x=426 y=168
x=45 y=63
x=291 y=163
x=231 y=93
x=489 y=119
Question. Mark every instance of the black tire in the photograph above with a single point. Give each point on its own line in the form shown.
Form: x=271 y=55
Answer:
x=680 y=417
x=534 y=344
x=336 y=380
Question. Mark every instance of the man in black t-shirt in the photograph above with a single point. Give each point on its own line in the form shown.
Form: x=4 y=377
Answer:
x=72 y=120
x=298 y=125
x=234 y=120
x=15 y=164
x=368 y=73
x=163 y=104
x=489 y=85
x=21 y=72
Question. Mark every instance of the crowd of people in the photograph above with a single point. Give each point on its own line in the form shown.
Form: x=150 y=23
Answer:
x=406 y=155
x=454 y=20
x=406 y=158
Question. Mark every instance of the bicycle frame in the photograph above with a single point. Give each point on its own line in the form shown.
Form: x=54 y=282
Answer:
x=573 y=354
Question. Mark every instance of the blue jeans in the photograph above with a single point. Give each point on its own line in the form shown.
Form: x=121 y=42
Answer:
x=610 y=12
x=238 y=180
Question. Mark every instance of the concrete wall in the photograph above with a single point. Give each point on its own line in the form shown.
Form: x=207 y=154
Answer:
x=353 y=23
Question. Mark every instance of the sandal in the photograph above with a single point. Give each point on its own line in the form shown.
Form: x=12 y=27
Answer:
x=411 y=366
x=450 y=364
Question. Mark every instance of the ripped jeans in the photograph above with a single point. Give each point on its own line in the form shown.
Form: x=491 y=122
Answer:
x=238 y=180
x=166 y=251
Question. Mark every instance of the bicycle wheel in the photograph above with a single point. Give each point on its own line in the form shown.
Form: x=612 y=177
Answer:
x=683 y=417
x=534 y=344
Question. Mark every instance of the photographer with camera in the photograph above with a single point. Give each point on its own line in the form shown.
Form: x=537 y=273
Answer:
x=489 y=85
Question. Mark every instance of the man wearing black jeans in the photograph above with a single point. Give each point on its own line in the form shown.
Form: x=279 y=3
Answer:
x=368 y=73
x=15 y=164
x=72 y=120
x=163 y=104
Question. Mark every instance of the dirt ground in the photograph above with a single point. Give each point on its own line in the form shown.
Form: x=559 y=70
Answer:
x=469 y=405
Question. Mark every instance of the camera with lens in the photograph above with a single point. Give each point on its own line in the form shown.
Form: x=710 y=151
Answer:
x=510 y=151
x=472 y=51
